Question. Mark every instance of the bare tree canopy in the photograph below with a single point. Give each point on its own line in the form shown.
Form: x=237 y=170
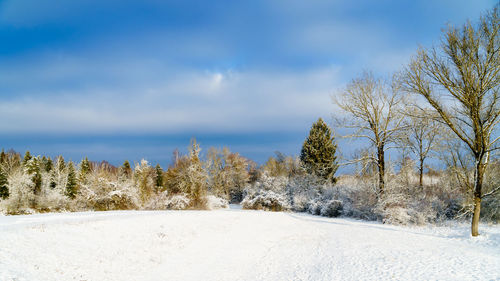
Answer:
x=373 y=109
x=421 y=136
x=460 y=80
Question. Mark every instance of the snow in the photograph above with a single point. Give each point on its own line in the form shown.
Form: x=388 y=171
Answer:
x=235 y=244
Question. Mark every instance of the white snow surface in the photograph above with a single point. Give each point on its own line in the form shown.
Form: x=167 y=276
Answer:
x=235 y=244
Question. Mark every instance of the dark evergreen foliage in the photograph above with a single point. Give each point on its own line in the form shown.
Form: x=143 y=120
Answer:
x=27 y=157
x=126 y=169
x=71 y=186
x=159 y=177
x=3 y=157
x=318 y=152
x=49 y=165
x=4 y=188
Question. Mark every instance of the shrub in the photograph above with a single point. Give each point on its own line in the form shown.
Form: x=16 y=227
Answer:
x=177 y=202
x=21 y=196
x=214 y=202
x=314 y=207
x=358 y=196
x=265 y=200
x=102 y=194
x=331 y=208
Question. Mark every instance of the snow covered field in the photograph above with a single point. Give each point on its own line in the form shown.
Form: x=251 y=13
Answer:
x=237 y=245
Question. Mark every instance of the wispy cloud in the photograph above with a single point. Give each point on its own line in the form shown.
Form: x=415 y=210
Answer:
x=196 y=100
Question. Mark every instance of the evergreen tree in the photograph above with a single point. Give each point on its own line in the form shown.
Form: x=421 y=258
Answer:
x=49 y=165
x=3 y=157
x=32 y=167
x=196 y=177
x=71 y=186
x=159 y=177
x=27 y=157
x=4 y=189
x=53 y=177
x=84 y=170
x=61 y=165
x=318 y=152
x=126 y=169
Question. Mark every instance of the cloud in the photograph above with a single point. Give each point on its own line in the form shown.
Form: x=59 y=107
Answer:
x=174 y=66
x=178 y=100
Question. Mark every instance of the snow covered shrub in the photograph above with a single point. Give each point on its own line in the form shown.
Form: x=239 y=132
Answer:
x=314 y=207
x=331 y=208
x=144 y=179
x=157 y=202
x=267 y=200
x=102 y=194
x=165 y=201
x=51 y=197
x=358 y=196
x=21 y=196
x=214 y=202
x=299 y=202
x=177 y=202
x=409 y=204
x=395 y=215
x=301 y=189
x=267 y=182
x=325 y=204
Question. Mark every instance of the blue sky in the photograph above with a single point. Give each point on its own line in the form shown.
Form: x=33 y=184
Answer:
x=119 y=80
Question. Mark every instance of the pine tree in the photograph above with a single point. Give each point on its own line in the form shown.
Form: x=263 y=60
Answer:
x=71 y=186
x=84 y=170
x=61 y=165
x=196 y=177
x=32 y=167
x=53 y=178
x=126 y=169
x=27 y=157
x=318 y=152
x=49 y=165
x=4 y=189
x=159 y=177
x=3 y=157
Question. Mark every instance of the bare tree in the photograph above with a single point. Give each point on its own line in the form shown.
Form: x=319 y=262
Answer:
x=461 y=82
x=420 y=137
x=373 y=106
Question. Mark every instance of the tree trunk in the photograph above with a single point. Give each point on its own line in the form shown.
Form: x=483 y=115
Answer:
x=381 y=168
x=478 y=183
x=421 y=173
x=475 y=216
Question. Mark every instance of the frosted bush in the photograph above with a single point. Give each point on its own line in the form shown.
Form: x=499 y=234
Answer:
x=267 y=200
x=102 y=194
x=177 y=202
x=314 y=207
x=302 y=189
x=157 y=202
x=331 y=208
x=267 y=182
x=396 y=215
x=358 y=196
x=214 y=202
x=325 y=207
x=21 y=199
x=300 y=202
x=52 y=199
